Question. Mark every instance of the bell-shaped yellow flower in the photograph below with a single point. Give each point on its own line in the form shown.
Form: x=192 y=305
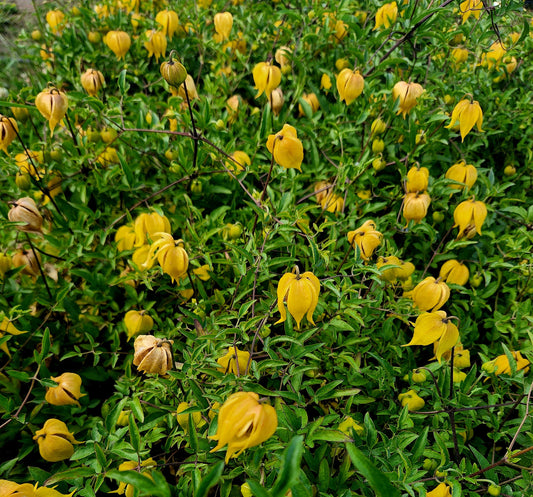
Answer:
x=501 y=364
x=92 y=80
x=386 y=15
x=203 y=272
x=6 y=326
x=67 y=391
x=408 y=93
x=223 y=23
x=5 y=265
x=412 y=400
x=243 y=422
x=183 y=419
x=459 y=55
x=239 y=163
x=430 y=294
x=286 y=148
x=12 y=489
x=471 y=7
x=415 y=206
x=417 y=179
x=228 y=364
x=147 y=225
x=173 y=72
x=366 y=238
x=467 y=114
x=300 y=292
x=152 y=355
x=125 y=238
x=119 y=42
x=128 y=489
x=171 y=255
x=169 y=22
x=464 y=173
x=469 y=216
x=267 y=77
x=441 y=490
x=156 y=43
x=350 y=85
x=349 y=424
x=55 y=441
x=390 y=265
x=431 y=327
x=494 y=56
x=312 y=100
x=454 y=272
x=282 y=57
x=137 y=322
x=8 y=131
x=53 y=105
x=332 y=203
x=56 y=20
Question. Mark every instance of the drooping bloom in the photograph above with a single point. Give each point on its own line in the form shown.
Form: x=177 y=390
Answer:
x=67 y=391
x=171 y=255
x=494 y=56
x=350 y=85
x=239 y=163
x=119 y=42
x=52 y=104
x=183 y=419
x=152 y=355
x=125 y=238
x=156 y=43
x=286 y=148
x=412 y=400
x=137 y=322
x=386 y=15
x=147 y=225
x=408 y=93
x=454 y=272
x=282 y=57
x=128 y=489
x=8 y=131
x=388 y=266
x=441 y=490
x=55 y=441
x=6 y=326
x=430 y=294
x=417 y=179
x=169 y=22
x=244 y=422
x=276 y=100
x=92 y=80
x=366 y=238
x=464 y=173
x=332 y=202
x=469 y=216
x=25 y=210
x=501 y=364
x=12 y=489
x=223 y=23
x=312 y=100
x=466 y=114
x=471 y=7
x=415 y=206
x=431 y=327
x=349 y=424
x=173 y=72
x=228 y=364
x=56 y=20
x=300 y=292
x=267 y=77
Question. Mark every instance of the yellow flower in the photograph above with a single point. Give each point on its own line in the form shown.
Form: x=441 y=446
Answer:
x=183 y=419
x=119 y=42
x=412 y=400
x=350 y=85
x=378 y=127
x=152 y=355
x=137 y=322
x=243 y=423
x=156 y=43
x=386 y=15
x=12 y=489
x=442 y=490
x=467 y=114
x=462 y=173
x=171 y=256
x=417 y=179
x=366 y=238
x=169 y=22
x=454 y=272
x=266 y=78
x=501 y=364
x=469 y=216
x=415 y=206
x=391 y=263
x=127 y=488
x=239 y=163
x=430 y=294
x=282 y=57
x=301 y=292
x=92 y=80
x=147 y=225
x=494 y=56
x=55 y=441
x=313 y=102
x=325 y=82
x=276 y=100
x=5 y=265
x=228 y=364
x=471 y=7
x=223 y=23
x=408 y=93
x=349 y=424
x=203 y=272
x=8 y=131
x=459 y=55
x=286 y=148
x=53 y=105
x=332 y=202
x=67 y=391
x=125 y=238
x=6 y=326
x=56 y=21
x=431 y=327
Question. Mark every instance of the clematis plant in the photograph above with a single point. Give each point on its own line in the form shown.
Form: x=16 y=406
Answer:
x=286 y=148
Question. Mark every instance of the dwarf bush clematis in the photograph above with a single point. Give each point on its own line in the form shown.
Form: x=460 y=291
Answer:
x=441 y=490
x=8 y=131
x=466 y=114
x=469 y=216
x=431 y=327
x=300 y=291
x=92 y=80
x=366 y=238
x=417 y=179
x=412 y=400
x=243 y=422
x=67 y=391
x=454 y=272
x=430 y=294
x=55 y=441
x=24 y=210
x=144 y=467
x=53 y=105
x=147 y=225
x=386 y=15
x=137 y=322
x=223 y=23
x=461 y=172
x=286 y=148
x=471 y=7
x=350 y=85
x=171 y=256
x=152 y=355
x=228 y=364
x=169 y=22
x=267 y=77
x=119 y=42
x=501 y=364
x=415 y=206
x=408 y=93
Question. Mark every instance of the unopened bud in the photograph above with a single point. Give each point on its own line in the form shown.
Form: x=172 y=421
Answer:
x=24 y=210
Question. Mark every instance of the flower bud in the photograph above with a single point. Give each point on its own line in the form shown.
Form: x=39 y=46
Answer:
x=415 y=206
x=313 y=102
x=412 y=400
x=454 y=272
x=119 y=42
x=350 y=424
x=147 y=225
x=56 y=21
x=8 y=131
x=24 y=210
x=5 y=264
x=276 y=100
x=232 y=231
x=92 y=80
x=419 y=376
x=173 y=72
x=378 y=127
x=350 y=85
x=430 y=294
x=223 y=23
x=27 y=259
x=55 y=441
x=137 y=322
x=286 y=148
x=53 y=105
x=152 y=355
x=417 y=179
x=67 y=391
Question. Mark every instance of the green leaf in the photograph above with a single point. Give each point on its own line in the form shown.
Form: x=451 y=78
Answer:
x=69 y=474
x=144 y=484
x=290 y=464
x=377 y=480
x=420 y=445
x=45 y=348
x=135 y=437
x=257 y=490
x=210 y=480
x=126 y=169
